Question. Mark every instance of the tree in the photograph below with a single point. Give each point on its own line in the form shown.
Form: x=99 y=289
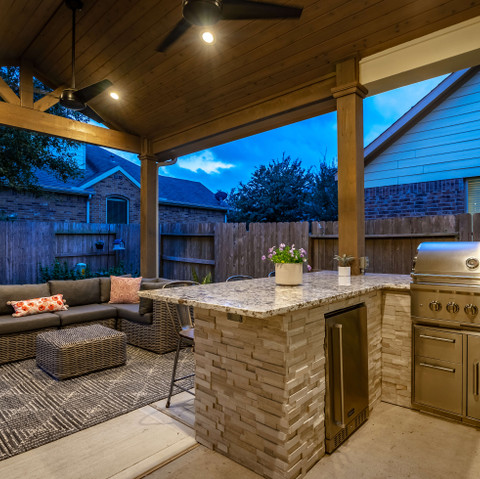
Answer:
x=22 y=153
x=275 y=193
x=323 y=199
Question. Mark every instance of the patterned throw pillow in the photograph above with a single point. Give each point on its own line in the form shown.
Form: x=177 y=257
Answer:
x=124 y=290
x=46 y=304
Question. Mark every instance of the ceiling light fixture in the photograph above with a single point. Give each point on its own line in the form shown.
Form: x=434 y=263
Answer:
x=208 y=37
x=115 y=95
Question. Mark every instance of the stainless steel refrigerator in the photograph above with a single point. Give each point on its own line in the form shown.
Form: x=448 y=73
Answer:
x=346 y=349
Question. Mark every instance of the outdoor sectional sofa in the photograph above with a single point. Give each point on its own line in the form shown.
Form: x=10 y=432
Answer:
x=88 y=301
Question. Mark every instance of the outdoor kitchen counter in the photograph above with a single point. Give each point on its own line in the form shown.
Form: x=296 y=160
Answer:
x=261 y=298
x=261 y=371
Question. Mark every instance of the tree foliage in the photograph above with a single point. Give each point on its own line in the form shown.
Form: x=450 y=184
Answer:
x=275 y=193
x=23 y=153
x=284 y=191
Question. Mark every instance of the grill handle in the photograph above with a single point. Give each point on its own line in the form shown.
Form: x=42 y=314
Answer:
x=441 y=368
x=436 y=338
x=338 y=334
x=476 y=370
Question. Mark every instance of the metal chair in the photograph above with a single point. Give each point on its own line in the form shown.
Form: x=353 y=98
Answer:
x=238 y=277
x=181 y=317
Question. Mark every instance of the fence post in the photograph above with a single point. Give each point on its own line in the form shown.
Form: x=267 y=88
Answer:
x=464 y=227
x=476 y=226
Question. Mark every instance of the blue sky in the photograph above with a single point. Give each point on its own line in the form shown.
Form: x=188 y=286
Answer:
x=223 y=167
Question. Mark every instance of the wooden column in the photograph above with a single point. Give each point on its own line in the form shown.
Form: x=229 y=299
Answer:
x=351 y=202
x=149 y=247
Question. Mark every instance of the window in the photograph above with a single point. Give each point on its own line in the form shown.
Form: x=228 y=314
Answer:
x=473 y=192
x=117 y=210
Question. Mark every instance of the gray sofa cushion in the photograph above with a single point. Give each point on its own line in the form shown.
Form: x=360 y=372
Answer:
x=130 y=312
x=105 y=286
x=10 y=325
x=146 y=304
x=85 y=313
x=17 y=292
x=77 y=292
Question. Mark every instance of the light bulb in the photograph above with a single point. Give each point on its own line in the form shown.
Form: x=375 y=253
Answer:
x=208 y=37
x=115 y=95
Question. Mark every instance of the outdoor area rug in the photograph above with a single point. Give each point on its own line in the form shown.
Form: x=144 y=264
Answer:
x=36 y=409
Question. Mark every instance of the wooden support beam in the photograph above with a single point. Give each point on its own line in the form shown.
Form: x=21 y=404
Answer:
x=26 y=84
x=149 y=237
x=351 y=202
x=304 y=102
x=49 y=100
x=7 y=94
x=33 y=120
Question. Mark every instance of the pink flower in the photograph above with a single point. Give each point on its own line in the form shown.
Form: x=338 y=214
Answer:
x=309 y=267
x=270 y=255
x=264 y=258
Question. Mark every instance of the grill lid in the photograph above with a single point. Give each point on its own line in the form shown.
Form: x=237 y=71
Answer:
x=447 y=261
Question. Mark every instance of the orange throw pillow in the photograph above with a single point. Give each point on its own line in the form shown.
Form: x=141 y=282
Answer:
x=46 y=304
x=124 y=290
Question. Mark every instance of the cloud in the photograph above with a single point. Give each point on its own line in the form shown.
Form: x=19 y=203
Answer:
x=203 y=161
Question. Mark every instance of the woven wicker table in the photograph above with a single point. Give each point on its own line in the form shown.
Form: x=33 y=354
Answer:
x=70 y=352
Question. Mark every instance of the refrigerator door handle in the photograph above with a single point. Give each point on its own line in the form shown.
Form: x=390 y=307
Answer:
x=339 y=337
x=476 y=370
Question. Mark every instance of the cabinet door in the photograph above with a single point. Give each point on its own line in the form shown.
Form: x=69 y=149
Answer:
x=473 y=376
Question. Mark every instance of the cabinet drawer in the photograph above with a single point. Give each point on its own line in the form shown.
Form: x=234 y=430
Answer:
x=438 y=384
x=439 y=344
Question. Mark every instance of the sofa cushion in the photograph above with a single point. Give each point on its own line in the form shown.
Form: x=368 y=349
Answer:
x=130 y=312
x=146 y=304
x=17 y=292
x=77 y=292
x=85 y=313
x=105 y=286
x=46 y=304
x=9 y=325
x=124 y=290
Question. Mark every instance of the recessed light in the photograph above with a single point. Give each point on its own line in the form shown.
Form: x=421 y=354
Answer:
x=115 y=95
x=208 y=37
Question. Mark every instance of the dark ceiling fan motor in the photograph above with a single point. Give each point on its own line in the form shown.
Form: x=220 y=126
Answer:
x=202 y=12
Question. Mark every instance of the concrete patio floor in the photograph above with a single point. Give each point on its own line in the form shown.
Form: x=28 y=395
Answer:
x=155 y=443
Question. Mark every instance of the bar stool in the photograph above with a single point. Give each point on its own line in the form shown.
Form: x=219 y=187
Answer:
x=181 y=317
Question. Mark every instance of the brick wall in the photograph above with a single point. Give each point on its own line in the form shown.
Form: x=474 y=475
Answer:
x=179 y=214
x=47 y=207
x=443 y=197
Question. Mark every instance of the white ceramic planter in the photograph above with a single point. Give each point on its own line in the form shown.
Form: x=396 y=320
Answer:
x=288 y=274
x=344 y=271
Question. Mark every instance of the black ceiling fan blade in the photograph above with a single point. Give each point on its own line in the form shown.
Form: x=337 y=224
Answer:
x=181 y=27
x=91 y=91
x=91 y=113
x=247 y=10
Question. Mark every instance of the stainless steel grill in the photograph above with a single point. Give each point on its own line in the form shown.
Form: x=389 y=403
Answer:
x=445 y=302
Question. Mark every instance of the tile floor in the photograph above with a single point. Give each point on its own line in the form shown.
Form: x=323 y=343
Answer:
x=155 y=443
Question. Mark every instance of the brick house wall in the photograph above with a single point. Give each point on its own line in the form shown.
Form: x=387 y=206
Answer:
x=180 y=214
x=44 y=207
x=114 y=185
x=443 y=197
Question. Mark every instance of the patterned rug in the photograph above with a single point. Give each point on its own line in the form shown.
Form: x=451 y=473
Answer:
x=36 y=409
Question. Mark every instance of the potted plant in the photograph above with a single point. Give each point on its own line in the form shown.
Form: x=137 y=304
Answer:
x=99 y=244
x=288 y=264
x=344 y=263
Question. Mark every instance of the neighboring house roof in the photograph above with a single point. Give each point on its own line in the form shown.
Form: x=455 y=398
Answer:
x=101 y=163
x=417 y=112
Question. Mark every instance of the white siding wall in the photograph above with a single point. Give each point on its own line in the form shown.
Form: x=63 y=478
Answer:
x=444 y=145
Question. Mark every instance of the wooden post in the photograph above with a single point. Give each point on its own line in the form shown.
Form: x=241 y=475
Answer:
x=26 y=84
x=149 y=247
x=351 y=202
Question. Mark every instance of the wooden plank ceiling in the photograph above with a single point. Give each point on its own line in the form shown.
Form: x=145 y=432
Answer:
x=166 y=95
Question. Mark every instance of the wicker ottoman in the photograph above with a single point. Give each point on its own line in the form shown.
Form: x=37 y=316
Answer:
x=70 y=352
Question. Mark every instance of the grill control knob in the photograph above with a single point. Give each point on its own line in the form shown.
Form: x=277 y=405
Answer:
x=435 y=306
x=453 y=307
x=471 y=310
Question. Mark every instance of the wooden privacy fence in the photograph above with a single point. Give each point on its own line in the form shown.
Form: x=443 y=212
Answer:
x=26 y=245
x=222 y=249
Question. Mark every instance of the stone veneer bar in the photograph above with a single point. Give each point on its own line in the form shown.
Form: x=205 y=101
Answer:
x=260 y=362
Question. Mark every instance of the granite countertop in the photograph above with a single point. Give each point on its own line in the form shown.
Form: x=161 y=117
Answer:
x=262 y=298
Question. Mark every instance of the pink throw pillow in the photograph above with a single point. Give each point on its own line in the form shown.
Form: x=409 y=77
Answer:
x=46 y=304
x=124 y=290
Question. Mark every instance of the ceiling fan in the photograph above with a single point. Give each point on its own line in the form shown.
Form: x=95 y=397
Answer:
x=208 y=12
x=72 y=98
